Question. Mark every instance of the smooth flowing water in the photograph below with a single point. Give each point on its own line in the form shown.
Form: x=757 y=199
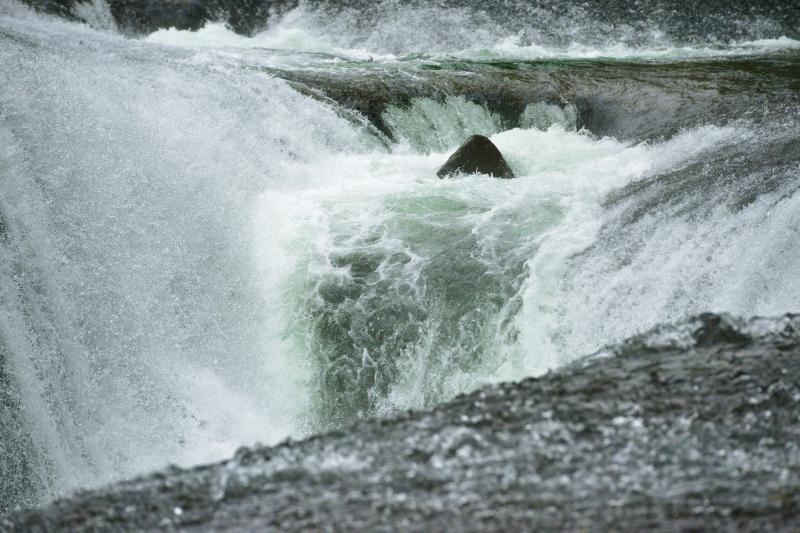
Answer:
x=196 y=254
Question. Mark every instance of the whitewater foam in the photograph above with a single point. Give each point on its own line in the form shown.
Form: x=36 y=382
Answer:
x=280 y=38
x=433 y=287
x=513 y=47
x=304 y=31
x=136 y=319
x=198 y=257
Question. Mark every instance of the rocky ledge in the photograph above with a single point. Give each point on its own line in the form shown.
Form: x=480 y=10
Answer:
x=687 y=427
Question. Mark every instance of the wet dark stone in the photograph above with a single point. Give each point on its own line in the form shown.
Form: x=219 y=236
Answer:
x=477 y=155
x=694 y=427
x=629 y=101
x=145 y=16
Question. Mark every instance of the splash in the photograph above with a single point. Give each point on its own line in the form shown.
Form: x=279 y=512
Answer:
x=195 y=256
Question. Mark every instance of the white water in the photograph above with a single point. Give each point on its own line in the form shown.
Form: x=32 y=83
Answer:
x=686 y=259
x=300 y=31
x=188 y=238
x=137 y=317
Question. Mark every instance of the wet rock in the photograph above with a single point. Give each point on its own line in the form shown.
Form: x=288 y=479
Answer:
x=630 y=102
x=687 y=427
x=477 y=155
x=140 y=17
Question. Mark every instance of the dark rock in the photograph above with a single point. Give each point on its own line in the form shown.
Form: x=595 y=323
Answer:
x=371 y=91
x=629 y=101
x=61 y=8
x=145 y=16
x=477 y=155
x=694 y=427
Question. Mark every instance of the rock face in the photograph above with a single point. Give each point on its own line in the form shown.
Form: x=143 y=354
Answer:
x=688 y=427
x=631 y=102
x=477 y=155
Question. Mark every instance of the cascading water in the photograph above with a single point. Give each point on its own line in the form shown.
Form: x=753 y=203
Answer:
x=136 y=323
x=196 y=254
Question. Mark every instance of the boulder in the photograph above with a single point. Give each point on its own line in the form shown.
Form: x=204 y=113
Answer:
x=478 y=155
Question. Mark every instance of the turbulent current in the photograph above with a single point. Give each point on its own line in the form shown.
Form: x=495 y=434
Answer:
x=210 y=238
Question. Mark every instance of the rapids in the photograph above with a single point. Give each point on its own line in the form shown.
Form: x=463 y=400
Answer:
x=201 y=247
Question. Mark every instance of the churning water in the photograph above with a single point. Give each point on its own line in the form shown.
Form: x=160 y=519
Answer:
x=195 y=254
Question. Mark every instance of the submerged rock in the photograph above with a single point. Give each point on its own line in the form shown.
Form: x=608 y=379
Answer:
x=688 y=427
x=477 y=155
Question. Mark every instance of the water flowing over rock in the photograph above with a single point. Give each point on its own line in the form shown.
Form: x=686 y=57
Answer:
x=645 y=101
x=477 y=155
x=682 y=23
x=690 y=427
x=145 y=16
x=219 y=227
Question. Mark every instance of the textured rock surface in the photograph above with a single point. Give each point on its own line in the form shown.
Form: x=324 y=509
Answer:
x=692 y=427
x=145 y=16
x=477 y=155
x=625 y=100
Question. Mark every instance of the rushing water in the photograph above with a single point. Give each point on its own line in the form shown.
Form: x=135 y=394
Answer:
x=196 y=254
